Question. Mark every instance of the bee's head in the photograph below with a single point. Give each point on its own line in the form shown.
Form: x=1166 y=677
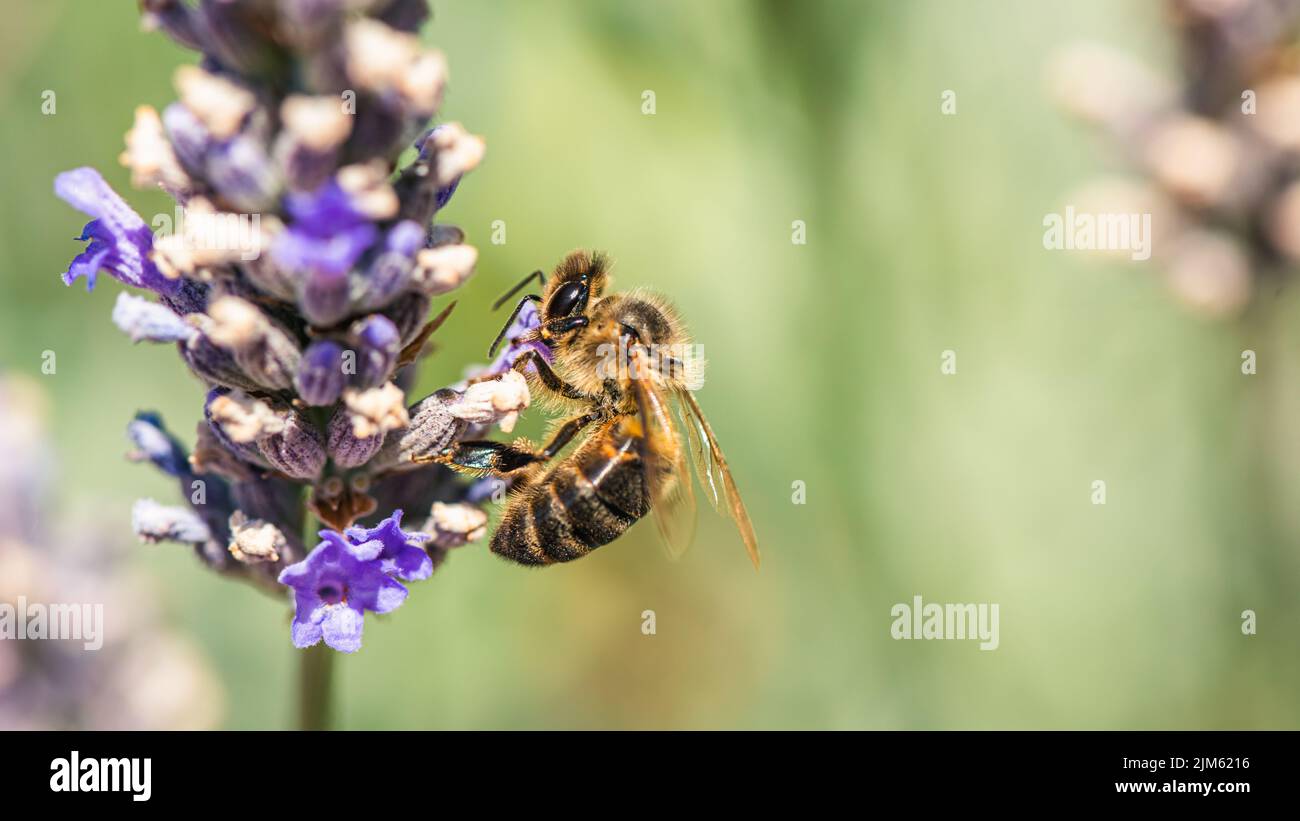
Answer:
x=578 y=279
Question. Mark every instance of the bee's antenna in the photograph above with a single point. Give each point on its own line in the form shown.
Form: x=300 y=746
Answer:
x=492 y=351
x=541 y=279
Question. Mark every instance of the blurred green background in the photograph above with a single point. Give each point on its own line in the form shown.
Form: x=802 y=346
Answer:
x=923 y=234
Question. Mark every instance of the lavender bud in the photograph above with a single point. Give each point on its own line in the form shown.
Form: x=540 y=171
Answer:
x=319 y=123
x=389 y=271
x=453 y=525
x=380 y=128
x=188 y=137
x=392 y=63
x=215 y=365
x=216 y=101
x=236 y=36
x=143 y=319
x=261 y=272
x=240 y=419
x=456 y=152
x=279 y=502
x=153 y=443
x=446 y=153
x=320 y=379
x=177 y=19
x=345 y=448
x=242 y=171
x=233 y=462
x=308 y=148
x=324 y=297
x=150 y=157
x=377 y=342
x=190 y=297
x=264 y=351
x=155 y=523
x=253 y=541
x=298 y=450
x=445 y=268
x=246 y=419
x=376 y=411
x=497 y=400
x=431 y=429
x=405 y=15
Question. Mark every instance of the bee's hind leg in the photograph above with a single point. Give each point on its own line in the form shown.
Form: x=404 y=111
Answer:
x=492 y=458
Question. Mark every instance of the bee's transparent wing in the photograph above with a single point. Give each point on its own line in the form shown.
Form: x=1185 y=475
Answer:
x=716 y=472
x=666 y=473
x=695 y=442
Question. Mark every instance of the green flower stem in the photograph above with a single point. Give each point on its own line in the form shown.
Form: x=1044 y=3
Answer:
x=315 y=688
x=315 y=670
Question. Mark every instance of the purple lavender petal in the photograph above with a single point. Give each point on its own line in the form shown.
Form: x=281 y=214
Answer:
x=526 y=320
x=120 y=241
x=363 y=551
x=386 y=595
x=341 y=628
x=326 y=236
x=298 y=249
x=400 y=553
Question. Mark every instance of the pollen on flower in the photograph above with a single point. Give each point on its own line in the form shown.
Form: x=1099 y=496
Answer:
x=254 y=540
x=377 y=410
x=236 y=323
x=220 y=104
x=243 y=418
x=318 y=122
x=456 y=524
x=445 y=268
x=367 y=186
x=456 y=152
x=497 y=401
x=150 y=156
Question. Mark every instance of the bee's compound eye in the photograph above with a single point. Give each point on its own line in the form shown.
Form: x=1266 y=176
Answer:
x=567 y=299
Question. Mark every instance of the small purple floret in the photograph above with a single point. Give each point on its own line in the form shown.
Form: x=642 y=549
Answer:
x=120 y=241
x=332 y=590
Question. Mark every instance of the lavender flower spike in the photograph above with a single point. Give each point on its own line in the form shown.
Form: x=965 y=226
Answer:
x=299 y=287
x=120 y=240
x=333 y=587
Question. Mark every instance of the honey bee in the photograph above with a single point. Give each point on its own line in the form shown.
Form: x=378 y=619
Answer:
x=619 y=365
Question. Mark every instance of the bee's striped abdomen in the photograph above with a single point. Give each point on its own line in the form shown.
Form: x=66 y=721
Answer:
x=585 y=501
